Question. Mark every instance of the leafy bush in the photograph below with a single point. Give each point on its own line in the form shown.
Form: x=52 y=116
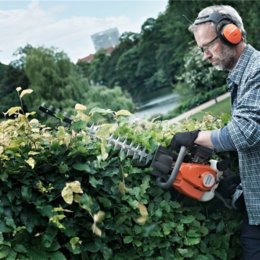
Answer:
x=67 y=195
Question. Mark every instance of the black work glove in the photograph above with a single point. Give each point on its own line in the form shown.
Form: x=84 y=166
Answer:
x=228 y=183
x=183 y=139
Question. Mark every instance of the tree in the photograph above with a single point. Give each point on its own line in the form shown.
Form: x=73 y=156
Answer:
x=128 y=40
x=11 y=78
x=97 y=67
x=56 y=81
x=126 y=69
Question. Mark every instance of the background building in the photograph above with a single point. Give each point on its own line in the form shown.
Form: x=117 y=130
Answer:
x=106 y=39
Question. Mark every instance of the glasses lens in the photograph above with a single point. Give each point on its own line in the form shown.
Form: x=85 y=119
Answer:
x=207 y=45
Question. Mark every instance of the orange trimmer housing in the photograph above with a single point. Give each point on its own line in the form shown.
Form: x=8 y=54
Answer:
x=197 y=178
x=194 y=179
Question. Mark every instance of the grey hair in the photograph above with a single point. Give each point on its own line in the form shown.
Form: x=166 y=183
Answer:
x=224 y=9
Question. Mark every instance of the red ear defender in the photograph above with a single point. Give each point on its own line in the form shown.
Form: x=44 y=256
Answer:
x=232 y=34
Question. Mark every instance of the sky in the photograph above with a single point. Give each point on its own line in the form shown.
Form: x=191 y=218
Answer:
x=68 y=24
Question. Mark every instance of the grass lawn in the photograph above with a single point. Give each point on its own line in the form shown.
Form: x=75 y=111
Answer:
x=216 y=109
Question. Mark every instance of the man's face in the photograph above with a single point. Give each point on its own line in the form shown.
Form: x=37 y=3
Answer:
x=218 y=54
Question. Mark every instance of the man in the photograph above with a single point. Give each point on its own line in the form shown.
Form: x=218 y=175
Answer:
x=220 y=34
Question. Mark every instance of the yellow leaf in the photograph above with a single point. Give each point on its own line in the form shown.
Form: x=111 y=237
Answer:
x=33 y=122
x=67 y=194
x=31 y=162
x=77 y=198
x=31 y=114
x=12 y=111
x=104 y=153
x=56 y=220
x=122 y=188
x=96 y=230
x=74 y=242
x=75 y=187
x=18 y=89
x=25 y=92
x=41 y=188
x=60 y=209
x=33 y=153
x=142 y=209
x=123 y=113
x=69 y=189
x=143 y=212
x=1 y=149
x=81 y=116
x=141 y=220
x=99 y=216
x=80 y=107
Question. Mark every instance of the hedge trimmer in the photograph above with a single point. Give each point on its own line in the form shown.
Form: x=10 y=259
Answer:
x=189 y=172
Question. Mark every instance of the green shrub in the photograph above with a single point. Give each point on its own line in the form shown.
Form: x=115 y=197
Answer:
x=67 y=195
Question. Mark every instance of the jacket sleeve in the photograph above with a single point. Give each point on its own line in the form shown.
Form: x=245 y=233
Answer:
x=221 y=140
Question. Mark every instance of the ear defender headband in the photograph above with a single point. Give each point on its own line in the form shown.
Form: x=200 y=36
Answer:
x=226 y=28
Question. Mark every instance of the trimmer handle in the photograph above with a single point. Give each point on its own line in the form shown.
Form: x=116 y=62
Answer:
x=175 y=170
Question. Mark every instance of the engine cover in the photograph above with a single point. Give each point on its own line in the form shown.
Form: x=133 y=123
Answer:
x=197 y=181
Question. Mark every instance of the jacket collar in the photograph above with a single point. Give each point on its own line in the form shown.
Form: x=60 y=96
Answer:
x=235 y=75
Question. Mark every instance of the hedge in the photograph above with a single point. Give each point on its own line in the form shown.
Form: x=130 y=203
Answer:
x=67 y=195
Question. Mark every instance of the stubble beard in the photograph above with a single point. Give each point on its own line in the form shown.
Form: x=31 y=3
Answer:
x=226 y=60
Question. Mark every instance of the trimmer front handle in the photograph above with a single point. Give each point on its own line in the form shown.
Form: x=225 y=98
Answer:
x=175 y=170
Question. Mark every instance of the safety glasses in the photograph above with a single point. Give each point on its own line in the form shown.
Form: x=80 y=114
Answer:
x=206 y=46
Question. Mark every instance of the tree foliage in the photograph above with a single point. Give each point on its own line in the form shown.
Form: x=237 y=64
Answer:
x=154 y=59
x=11 y=77
x=56 y=81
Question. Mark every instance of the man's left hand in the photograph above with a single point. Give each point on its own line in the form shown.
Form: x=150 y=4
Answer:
x=186 y=139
